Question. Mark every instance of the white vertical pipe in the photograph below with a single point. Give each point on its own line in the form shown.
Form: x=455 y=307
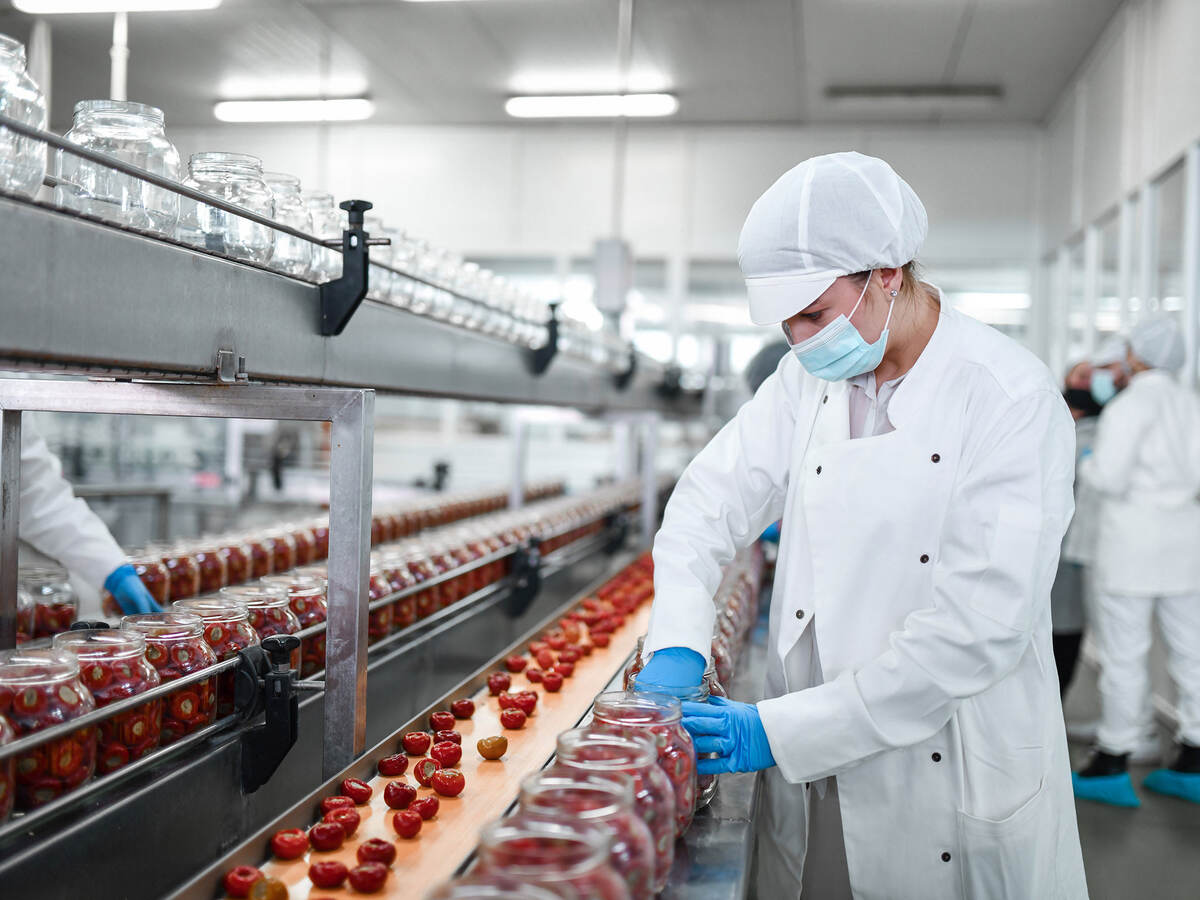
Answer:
x=1148 y=246
x=119 y=54
x=1191 y=258
x=40 y=57
x=1091 y=286
x=649 y=477
x=1125 y=225
x=520 y=449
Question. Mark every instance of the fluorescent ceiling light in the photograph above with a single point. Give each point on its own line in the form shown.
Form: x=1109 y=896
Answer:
x=914 y=97
x=602 y=106
x=291 y=84
x=588 y=81
x=349 y=109
x=52 y=7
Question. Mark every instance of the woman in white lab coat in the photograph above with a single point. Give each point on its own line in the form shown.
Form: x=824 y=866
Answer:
x=1146 y=468
x=921 y=462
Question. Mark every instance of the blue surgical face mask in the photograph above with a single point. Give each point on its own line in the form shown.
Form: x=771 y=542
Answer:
x=838 y=351
x=1103 y=388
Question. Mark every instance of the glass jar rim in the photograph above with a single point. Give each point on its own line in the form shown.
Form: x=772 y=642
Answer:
x=256 y=596
x=121 y=108
x=290 y=580
x=213 y=609
x=282 y=179
x=658 y=708
x=619 y=793
x=12 y=47
x=322 y=197
x=101 y=643
x=37 y=666
x=593 y=841
x=165 y=626
x=211 y=159
x=475 y=887
x=641 y=751
x=42 y=575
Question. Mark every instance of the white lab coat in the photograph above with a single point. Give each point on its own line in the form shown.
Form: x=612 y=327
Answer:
x=925 y=557
x=1145 y=464
x=57 y=523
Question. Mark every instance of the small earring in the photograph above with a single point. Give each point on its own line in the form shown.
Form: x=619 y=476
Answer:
x=894 y=293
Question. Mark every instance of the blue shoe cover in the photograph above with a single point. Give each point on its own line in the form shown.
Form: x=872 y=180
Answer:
x=1185 y=785
x=1115 y=790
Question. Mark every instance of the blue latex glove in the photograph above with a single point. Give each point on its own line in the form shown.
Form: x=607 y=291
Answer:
x=131 y=595
x=733 y=731
x=771 y=535
x=676 y=667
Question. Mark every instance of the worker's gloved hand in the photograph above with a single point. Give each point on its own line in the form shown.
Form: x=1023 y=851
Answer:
x=771 y=535
x=676 y=667
x=131 y=595
x=730 y=729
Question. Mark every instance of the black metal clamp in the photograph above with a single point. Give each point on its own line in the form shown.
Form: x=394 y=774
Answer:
x=266 y=682
x=527 y=577
x=539 y=360
x=616 y=528
x=341 y=297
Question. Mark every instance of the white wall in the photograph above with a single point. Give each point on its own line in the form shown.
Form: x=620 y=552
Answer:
x=1132 y=109
x=545 y=189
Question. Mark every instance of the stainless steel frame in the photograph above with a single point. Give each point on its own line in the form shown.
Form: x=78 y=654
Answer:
x=351 y=414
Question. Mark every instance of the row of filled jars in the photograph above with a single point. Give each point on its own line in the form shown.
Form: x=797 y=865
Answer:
x=603 y=820
x=91 y=668
x=135 y=133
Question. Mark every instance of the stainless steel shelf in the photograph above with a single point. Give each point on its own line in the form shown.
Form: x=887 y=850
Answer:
x=82 y=297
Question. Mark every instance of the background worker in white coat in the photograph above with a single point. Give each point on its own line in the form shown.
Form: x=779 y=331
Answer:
x=1145 y=464
x=912 y=734
x=58 y=524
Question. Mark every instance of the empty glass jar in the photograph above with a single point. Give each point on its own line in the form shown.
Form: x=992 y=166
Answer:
x=552 y=856
x=22 y=159
x=328 y=223
x=292 y=255
x=132 y=133
x=236 y=178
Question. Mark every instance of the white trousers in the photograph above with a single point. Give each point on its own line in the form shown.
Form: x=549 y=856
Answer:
x=1123 y=631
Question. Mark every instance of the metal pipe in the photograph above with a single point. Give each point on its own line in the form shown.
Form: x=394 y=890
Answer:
x=10 y=512
x=118 y=54
x=350 y=461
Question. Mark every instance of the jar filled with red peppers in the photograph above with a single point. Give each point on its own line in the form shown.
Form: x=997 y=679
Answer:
x=113 y=666
x=320 y=533
x=283 y=550
x=262 y=559
x=601 y=801
x=8 y=772
x=307 y=599
x=379 y=622
x=304 y=542
x=38 y=689
x=395 y=569
x=175 y=646
x=182 y=569
x=25 y=611
x=268 y=609
x=571 y=860
x=227 y=630
x=604 y=752
x=214 y=571
x=452 y=588
x=236 y=554
x=56 y=605
x=420 y=566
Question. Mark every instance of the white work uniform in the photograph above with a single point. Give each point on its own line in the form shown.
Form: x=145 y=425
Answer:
x=57 y=523
x=923 y=558
x=1146 y=467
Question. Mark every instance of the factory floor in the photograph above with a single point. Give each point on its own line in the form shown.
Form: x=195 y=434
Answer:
x=1151 y=852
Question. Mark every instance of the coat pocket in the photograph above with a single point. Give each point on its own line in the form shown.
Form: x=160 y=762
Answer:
x=1011 y=858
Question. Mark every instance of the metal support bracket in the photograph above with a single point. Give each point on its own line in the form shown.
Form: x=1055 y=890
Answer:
x=266 y=682
x=527 y=578
x=538 y=361
x=342 y=296
x=351 y=413
x=230 y=367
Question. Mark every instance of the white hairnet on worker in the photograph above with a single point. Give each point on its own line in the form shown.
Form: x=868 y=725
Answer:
x=833 y=215
x=1158 y=343
x=1111 y=351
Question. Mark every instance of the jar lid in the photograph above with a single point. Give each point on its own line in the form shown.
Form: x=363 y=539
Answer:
x=256 y=596
x=32 y=667
x=165 y=626
x=101 y=643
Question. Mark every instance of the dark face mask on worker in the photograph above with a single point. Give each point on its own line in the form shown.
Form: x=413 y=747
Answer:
x=1081 y=399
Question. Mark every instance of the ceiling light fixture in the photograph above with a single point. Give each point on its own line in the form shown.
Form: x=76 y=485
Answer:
x=55 y=7
x=345 y=109
x=915 y=97
x=591 y=106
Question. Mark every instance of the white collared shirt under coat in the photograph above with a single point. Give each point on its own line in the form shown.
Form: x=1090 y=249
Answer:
x=925 y=557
